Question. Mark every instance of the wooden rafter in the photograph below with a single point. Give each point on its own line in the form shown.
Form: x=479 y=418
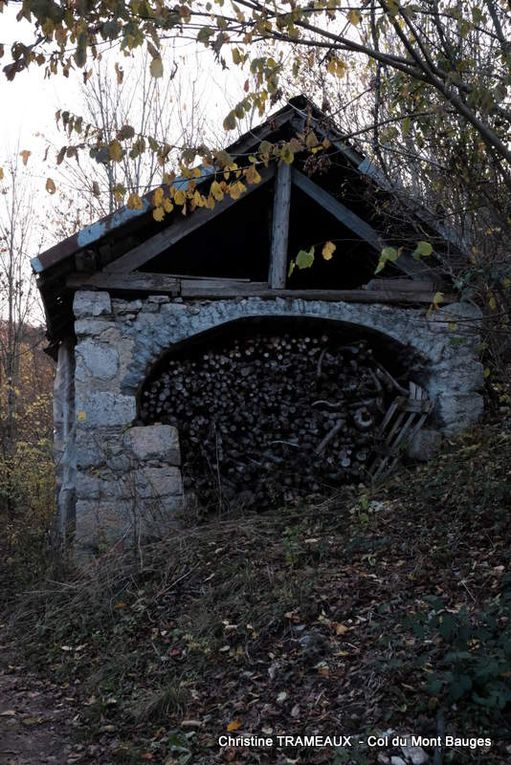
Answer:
x=356 y=224
x=150 y=248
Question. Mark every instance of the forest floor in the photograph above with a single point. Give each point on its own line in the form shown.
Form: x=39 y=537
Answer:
x=36 y=716
x=382 y=609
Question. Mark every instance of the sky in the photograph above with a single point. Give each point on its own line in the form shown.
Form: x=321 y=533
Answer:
x=30 y=101
x=27 y=119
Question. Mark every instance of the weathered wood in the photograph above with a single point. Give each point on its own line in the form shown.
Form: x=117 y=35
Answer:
x=408 y=285
x=355 y=223
x=180 y=228
x=206 y=289
x=280 y=228
x=412 y=412
x=134 y=282
x=216 y=288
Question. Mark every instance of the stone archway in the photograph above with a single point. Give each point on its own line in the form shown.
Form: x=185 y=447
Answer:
x=122 y=473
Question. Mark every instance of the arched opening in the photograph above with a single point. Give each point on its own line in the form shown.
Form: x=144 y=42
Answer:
x=274 y=409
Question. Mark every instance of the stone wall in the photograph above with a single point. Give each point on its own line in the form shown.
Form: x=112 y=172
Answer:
x=127 y=479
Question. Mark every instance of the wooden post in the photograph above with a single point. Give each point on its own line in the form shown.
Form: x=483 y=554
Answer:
x=280 y=228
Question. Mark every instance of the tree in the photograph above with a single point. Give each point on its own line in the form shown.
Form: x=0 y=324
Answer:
x=123 y=102
x=18 y=297
x=436 y=75
x=415 y=44
x=26 y=374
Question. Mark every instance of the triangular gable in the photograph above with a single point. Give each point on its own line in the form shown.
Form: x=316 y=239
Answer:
x=115 y=252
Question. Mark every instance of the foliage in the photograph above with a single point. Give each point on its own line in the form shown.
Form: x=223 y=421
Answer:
x=26 y=467
x=469 y=659
x=248 y=622
x=429 y=60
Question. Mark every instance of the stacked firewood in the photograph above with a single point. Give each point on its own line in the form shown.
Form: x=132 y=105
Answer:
x=269 y=419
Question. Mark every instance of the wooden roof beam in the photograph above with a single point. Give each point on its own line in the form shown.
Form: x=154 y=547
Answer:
x=355 y=223
x=178 y=229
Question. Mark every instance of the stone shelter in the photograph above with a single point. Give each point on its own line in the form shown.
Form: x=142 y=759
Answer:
x=171 y=335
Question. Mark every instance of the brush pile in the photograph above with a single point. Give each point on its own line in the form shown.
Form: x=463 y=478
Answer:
x=272 y=418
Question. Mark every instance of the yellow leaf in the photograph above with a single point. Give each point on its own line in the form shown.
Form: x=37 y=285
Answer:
x=134 y=202
x=158 y=214
x=198 y=199
x=156 y=67
x=179 y=197
x=115 y=151
x=354 y=17
x=328 y=250
x=252 y=175
x=341 y=629
x=234 y=725
x=50 y=186
x=437 y=299
x=337 y=67
x=25 y=154
x=1 y=173
x=216 y=191
x=236 y=189
x=158 y=197
x=81 y=416
x=167 y=205
x=492 y=302
x=287 y=154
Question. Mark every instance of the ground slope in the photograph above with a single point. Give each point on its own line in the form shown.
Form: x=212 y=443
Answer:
x=375 y=610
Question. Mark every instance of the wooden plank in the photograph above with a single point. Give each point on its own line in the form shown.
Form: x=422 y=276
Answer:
x=180 y=228
x=410 y=285
x=355 y=223
x=135 y=282
x=215 y=288
x=235 y=279
x=210 y=289
x=280 y=228
x=218 y=287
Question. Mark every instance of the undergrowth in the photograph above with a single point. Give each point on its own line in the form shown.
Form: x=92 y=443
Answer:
x=377 y=609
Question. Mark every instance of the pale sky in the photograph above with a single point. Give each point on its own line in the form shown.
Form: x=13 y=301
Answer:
x=29 y=102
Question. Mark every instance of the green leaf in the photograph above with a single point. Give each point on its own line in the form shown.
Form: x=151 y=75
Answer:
x=460 y=685
x=387 y=254
x=204 y=34
x=423 y=250
x=305 y=258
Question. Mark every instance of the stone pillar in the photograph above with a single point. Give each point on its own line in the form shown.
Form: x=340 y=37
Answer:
x=128 y=479
x=64 y=434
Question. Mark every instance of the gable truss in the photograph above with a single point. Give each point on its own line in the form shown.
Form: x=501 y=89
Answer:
x=121 y=274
